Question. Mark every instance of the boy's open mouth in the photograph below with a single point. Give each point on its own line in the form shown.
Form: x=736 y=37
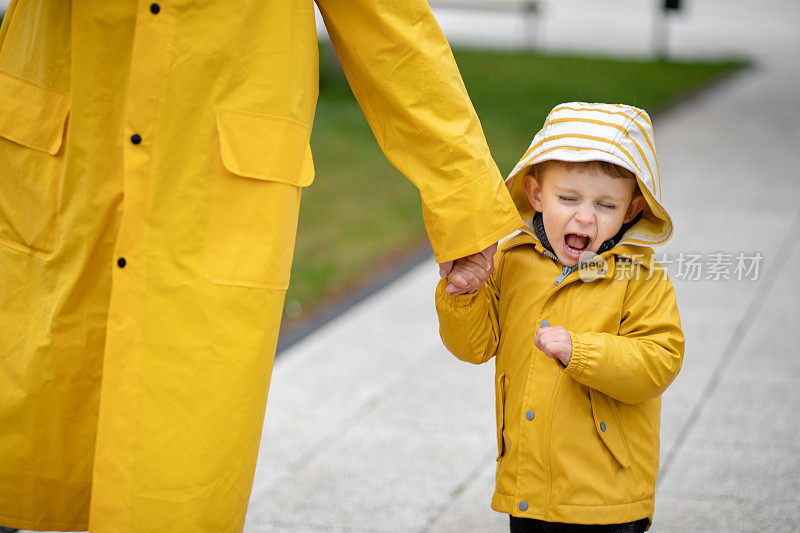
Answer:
x=574 y=244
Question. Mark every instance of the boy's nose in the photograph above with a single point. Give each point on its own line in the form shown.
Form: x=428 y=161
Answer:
x=584 y=215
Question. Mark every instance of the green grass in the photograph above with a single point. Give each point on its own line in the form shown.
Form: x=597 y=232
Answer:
x=513 y=92
x=361 y=214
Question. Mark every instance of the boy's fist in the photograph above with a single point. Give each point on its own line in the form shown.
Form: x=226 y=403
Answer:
x=555 y=342
x=466 y=275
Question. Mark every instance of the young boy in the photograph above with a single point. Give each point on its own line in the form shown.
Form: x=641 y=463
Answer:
x=582 y=322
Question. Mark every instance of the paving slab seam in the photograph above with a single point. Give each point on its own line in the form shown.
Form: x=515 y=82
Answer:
x=459 y=489
x=732 y=347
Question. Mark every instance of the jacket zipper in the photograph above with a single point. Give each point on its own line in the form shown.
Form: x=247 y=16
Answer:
x=565 y=270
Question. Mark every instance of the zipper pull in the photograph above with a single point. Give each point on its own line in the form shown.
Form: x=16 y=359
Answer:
x=565 y=271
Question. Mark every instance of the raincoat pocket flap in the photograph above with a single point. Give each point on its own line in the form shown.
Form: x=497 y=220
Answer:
x=265 y=147
x=609 y=428
x=32 y=115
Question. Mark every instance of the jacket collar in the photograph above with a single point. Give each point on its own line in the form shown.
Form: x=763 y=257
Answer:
x=627 y=252
x=537 y=226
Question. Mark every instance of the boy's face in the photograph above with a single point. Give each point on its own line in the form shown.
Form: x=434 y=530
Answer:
x=581 y=207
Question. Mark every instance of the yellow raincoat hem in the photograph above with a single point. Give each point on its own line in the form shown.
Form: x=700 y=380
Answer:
x=19 y=523
x=578 y=514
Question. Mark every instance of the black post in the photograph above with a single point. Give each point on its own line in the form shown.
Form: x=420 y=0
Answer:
x=530 y=17
x=661 y=28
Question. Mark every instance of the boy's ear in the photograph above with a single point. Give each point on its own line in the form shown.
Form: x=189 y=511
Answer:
x=637 y=204
x=533 y=191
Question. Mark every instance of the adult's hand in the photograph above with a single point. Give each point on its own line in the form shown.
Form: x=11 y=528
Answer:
x=470 y=272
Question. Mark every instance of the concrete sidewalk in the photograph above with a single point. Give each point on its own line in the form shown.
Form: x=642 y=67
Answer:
x=373 y=426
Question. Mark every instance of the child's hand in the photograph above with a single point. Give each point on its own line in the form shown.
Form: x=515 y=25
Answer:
x=555 y=342
x=469 y=273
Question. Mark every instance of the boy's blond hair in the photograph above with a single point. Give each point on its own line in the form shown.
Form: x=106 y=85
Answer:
x=537 y=171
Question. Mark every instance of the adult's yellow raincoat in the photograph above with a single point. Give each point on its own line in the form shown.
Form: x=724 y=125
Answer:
x=578 y=444
x=152 y=156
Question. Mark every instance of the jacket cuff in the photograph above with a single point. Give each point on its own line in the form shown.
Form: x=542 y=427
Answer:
x=580 y=356
x=470 y=218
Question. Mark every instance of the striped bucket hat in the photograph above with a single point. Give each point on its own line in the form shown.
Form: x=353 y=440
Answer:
x=616 y=133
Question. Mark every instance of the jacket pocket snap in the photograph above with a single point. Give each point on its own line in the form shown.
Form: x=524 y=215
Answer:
x=32 y=129
x=262 y=163
x=609 y=428
x=500 y=400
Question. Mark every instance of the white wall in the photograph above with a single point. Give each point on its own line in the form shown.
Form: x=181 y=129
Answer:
x=749 y=28
x=760 y=28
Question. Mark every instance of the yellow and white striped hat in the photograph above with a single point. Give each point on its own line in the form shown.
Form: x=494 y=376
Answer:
x=616 y=133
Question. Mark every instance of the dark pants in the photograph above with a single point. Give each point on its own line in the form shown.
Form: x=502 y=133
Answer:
x=530 y=525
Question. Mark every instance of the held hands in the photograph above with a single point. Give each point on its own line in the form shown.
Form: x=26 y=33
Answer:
x=467 y=274
x=555 y=342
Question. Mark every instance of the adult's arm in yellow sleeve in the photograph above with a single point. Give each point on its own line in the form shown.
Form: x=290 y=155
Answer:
x=403 y=74
x=640 y=362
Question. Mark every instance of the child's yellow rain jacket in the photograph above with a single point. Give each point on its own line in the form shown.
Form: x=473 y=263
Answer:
x=152 y=157
x=578 y=444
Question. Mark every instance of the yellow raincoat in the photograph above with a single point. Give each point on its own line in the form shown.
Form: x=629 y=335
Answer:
x=578 y=444
x=152 y=157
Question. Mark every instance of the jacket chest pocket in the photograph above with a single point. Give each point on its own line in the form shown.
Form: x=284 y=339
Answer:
x=262 y=163
x=32 y=129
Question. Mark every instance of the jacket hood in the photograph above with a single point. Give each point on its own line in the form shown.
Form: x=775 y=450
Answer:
x=616 y=133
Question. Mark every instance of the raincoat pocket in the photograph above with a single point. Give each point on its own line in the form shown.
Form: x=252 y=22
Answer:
x=32 y=128
x=609 y=428
x=500 y=401
x=263 y=162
